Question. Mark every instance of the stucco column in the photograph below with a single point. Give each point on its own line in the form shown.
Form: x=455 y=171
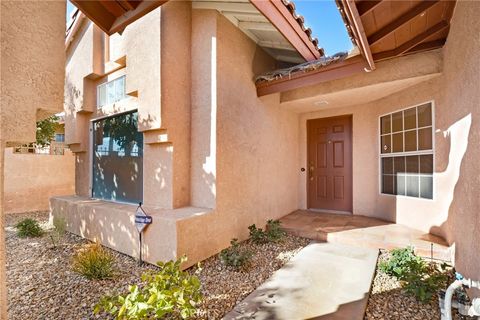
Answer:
x=3 y=279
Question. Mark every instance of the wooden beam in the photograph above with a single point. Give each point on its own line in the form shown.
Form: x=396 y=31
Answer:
x=366 y=6
x=225 y=6
x=425 y=46
x=264 y=26
x=357 y=25
x=402 y=20
x=114 y=8
x=276 y=12
x=130 y=16
x=276 y=45
x=335 y=70
x=96 y=12
x=106 y=16
x=411 y=43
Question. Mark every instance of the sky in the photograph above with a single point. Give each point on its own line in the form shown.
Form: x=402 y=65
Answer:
x=70 y=9
x=322 y=16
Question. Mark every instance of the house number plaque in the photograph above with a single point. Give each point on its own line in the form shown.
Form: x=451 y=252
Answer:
x=142 y=220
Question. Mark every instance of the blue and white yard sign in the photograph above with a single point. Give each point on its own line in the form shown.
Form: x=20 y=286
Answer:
x=142 y=219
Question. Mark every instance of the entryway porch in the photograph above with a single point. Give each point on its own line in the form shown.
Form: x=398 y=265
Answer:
x=365 y=232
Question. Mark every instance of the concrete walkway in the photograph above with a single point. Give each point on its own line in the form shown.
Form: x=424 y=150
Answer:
x=323 y=281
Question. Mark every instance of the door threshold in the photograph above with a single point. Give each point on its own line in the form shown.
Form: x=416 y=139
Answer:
x=331 y=211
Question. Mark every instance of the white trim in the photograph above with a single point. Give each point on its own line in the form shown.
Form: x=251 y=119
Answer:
x=408 y=153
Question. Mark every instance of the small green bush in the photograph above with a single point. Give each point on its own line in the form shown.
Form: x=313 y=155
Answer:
x=273 y=233
x=167 y=292
x=29 y=228
x=401 y=263
x=94 y=262
x=235 y=256
x=418 y=278
x=257 y=235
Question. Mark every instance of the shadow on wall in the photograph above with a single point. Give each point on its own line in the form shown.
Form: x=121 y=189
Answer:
x=422 y=214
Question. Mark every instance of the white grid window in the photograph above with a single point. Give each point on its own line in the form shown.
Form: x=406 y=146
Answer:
x=111 y=92
x=406 y=152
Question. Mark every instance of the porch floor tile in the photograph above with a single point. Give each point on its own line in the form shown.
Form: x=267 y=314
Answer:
x=365 y=232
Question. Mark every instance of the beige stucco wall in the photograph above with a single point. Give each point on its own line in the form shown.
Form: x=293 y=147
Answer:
x=254 y=157
x=31 y=81
x=453 y=213
x=32 y=65
x=31 y=179
x=461 y=87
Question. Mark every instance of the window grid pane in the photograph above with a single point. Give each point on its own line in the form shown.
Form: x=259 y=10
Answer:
x=111 y=92
x=401 y=134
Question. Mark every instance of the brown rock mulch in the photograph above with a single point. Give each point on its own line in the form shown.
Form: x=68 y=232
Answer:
x=41 y=284
x=388 y=301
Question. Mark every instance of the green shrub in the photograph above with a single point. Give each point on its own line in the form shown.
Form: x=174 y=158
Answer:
x=401 y=263
x=235 y=256
x=257 y=235
x=167 y=292
x=94 y=262
x=59 y=228
x=273 y=232
x=418 y=278
x=29 y=228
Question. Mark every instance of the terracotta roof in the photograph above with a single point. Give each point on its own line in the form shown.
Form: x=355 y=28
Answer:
x=301 y=21
x=301 y=68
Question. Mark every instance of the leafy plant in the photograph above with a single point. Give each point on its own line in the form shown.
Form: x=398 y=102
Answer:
x=257 y=235
x=46 y=130
x=423 y=285
x=94 y=262
x=29 y=228
x=273 y=232
x=167 y=292
x=59 y=228
x=418 y=278
x=401 y=263
x=235 y=256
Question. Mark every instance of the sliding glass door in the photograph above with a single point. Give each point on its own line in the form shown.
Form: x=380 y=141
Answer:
x=118 y=159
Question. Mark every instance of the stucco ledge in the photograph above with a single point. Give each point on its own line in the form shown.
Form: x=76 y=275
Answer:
x=112 y=224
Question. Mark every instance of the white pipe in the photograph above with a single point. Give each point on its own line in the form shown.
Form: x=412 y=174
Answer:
x=451 y=289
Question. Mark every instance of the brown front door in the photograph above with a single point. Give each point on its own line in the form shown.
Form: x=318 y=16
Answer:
x=329 y=180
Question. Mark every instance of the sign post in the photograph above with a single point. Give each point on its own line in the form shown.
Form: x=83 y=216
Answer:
x=142 y=220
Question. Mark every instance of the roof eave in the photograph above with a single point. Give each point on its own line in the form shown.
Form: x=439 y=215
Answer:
x=278 y=14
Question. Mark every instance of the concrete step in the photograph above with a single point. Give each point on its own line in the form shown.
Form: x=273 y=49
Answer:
x=323 y=281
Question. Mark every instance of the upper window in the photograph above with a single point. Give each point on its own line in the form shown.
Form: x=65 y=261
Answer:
x=59 y=137
x=406 y=152
x=111 y=92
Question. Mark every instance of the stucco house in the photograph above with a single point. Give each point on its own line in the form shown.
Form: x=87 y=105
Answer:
x=218 y=115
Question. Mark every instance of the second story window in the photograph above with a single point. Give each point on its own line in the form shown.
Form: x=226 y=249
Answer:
x=111 y=92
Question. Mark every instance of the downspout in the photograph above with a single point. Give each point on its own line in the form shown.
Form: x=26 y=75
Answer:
x=461 y=281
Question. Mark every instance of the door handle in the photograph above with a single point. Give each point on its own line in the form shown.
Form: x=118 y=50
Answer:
x=311 y=169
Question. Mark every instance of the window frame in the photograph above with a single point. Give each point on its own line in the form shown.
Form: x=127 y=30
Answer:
x=91 y=144
x=407 y=153
x=105 y=85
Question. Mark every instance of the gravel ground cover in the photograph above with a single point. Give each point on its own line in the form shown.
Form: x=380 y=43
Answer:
x=388 y=301
x=41 y=284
